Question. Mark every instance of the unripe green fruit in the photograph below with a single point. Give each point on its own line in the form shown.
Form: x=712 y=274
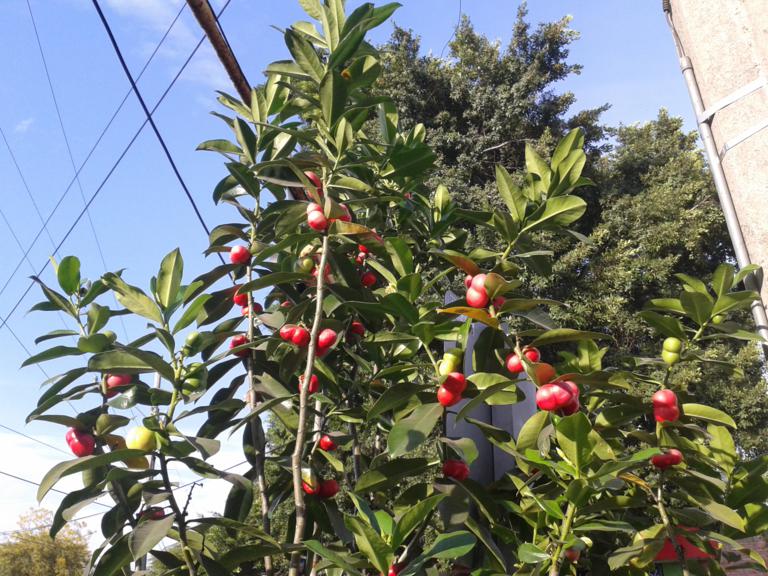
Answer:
x=306 y=264
x=670 y=357
x=672 y=344
x=192 y=343
x=718 y=319
x=111 y=336
x=140 y=438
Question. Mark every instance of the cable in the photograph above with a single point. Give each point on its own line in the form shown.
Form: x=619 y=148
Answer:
x=34 y=439
x=151 y=120
x=458 y=23
x=111 y=170
x=93 y=148
x=20 y=479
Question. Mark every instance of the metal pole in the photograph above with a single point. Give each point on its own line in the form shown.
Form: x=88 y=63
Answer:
x=721 y=183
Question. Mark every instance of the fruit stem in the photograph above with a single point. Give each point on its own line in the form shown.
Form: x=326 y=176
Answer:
x=432 y=359
x=570 y=513
x=668 y=525
x=179 y=516
x=301 y=431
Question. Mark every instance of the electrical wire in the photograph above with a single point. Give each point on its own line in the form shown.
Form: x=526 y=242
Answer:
x=33 y=439
x=151 y=120
x=111 y=170
x=93 y=149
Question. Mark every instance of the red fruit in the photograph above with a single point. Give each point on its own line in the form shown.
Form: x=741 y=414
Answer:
x=544 y=373
x=315 y=179
x=514 y=365
x=672 y=457
x=321 y=352
x=532 y=354
x=239 y=255
x=498 y=302
x=665 y=407
x=309 y=489
x=300 y=337
x=286 y=332
x=239 y=340
x=239 y=298
x=455 y=382
x=357 y=328
x=447 y=397
x=368 y=279
x=327 y=272
x=553 y=396
x=116 y=381
x=327 y=443
x=468 y=281
x=286 y=304
x=317 y=221
x=326 y=338
x=312 y=207
x=347 y=215
x=392 y=571
x=153 y=513
x=572 y=554
x=314 y=384
x=476 y=298
x=81 y=443
x=571 y=408
x=362 y=249
x=478 y=282
x=328 y=488
x=456 y=469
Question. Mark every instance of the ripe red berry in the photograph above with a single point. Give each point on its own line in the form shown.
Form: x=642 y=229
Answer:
x=326 y=443
x=572 y=554
x=356 y=328
x=326 y=338
x=286 y=332
x=239 y=255
x=116 y=381
x=553 y=396
x=315 y=179
x=347 y=215
x=447 y=397
x=360 y=258
x=468 y=281
x=514 y=364
x=239 y=340
x=362 y=249
x=368 y=279
x=456 y=382
x=532 y=354
x=328 y=488
x=81 y=443
x=671 y=457
x=153 y=513
x=240 y=298
x=313 y=207
x=317 y=221
x=456 y=469
x=478 y=282
x=308 y=489
x=392 y=571
x=314 y=384
x=300 y=337
x=256 y=307
x=286 y=304
x=498 y=302
x=476 y=298
x=665 y=407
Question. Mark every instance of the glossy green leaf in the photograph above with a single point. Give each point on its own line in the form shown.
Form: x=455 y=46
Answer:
x=147 y=534
x=169 y=278
x=68 y=274
x=133 y=298
x=708 y=414
x=391 y=473
x=409 y=433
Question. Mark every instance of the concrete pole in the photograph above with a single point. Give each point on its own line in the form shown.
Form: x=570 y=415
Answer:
x=723 y=51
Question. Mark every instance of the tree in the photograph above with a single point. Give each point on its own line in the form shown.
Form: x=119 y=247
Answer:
x=347 y=343
x=29 y=551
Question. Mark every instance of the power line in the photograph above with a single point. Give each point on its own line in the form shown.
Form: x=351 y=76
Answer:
x=151 y=120
x=20 y=479
x=111 y=170
x=33 y=439
x=93 y=148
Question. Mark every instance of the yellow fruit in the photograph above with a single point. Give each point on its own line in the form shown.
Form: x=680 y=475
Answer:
x=672 y=345
x=670 y=357
x=137 y=463
x=140 y=438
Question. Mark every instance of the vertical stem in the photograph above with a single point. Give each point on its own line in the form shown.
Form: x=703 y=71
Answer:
x=298 y=451
x=180 y=520
x=356 y=453
x=570 y=513
x=257 y=431
x=668 y=526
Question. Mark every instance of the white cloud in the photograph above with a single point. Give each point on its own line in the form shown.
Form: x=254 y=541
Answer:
x=24 y=125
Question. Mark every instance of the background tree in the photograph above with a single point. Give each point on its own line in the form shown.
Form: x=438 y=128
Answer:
x=30 y=551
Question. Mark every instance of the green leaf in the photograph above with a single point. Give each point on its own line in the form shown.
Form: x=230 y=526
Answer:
x=559 y=211
x=169 y=278
x=333 y=96
x=459 y=260
x=697 y=306
x=313 y=8
x=531 y=554
x=274 y=279
x=664 y=325
x=68 y=274
x=409 y=433
x=452 y=545
x=69 y=467
x=147 y=534
x=512 y=195
x=414 y=517
x=52 y=354
x=337 y=559
x=98 y=316
x=133 y=298
x=708 y=414
x=370 y=543
x=528 y=438
x=464 y=447
x=721 y=512
x=114 y=559
x=305 y=55
x=722 y=279
x=566 y=335
x=573 y=436
x=734 y=301
x=192 y=311
x=130 y=361
x=400 y=253
x=391 y=473
x=746 y=271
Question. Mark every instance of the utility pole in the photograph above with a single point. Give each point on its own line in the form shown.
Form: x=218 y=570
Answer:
x=210 y=25
x=723 y=52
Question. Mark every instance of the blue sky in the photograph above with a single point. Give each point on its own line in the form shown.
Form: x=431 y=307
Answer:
x=141 y=213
